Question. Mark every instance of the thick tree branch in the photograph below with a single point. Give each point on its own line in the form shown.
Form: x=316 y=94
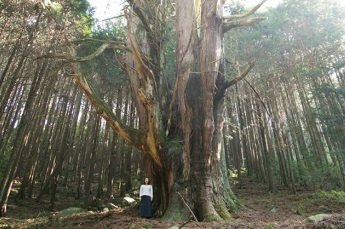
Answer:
x=128 y=134
x=107 y=19
x=93 y=55
x=244 y=22
x=239 y=78
x=224 y=85
x=252 y=11
x=234 y=21
x=98 y=52
x=132 y=136
x=110 y=42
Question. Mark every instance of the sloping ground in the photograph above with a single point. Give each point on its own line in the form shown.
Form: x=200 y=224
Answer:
x=260 y=210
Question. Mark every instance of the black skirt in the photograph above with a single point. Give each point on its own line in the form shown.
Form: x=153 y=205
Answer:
x=145 y=207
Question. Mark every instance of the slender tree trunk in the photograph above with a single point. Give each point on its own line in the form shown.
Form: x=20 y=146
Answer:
x=91 y=159
x=266 y=153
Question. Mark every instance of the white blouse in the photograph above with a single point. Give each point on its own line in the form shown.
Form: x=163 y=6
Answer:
x=146 y=190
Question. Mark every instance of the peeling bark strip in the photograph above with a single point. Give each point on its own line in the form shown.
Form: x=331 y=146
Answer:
x=146 y=98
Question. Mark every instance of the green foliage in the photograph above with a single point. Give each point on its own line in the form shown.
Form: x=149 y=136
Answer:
x=105 y=70
x=336 y=196
x=290 y=28
x=309 y=174
x=300 y=47
x=76 y=12
x=68 y=212
x=297 y=210
x=233 y=175
x=302 y=174
x=81 y=7
x=235 y=7
x=83 y=13
x=84 y=23
x=147 y=226
x=269 y=227
x=57 y=7
x=275 y=167
x=115 y=31
x=315 y=176
x=169 y=61
x=332 y=115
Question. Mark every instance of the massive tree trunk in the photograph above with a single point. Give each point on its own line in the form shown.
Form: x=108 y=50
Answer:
x=193 y=170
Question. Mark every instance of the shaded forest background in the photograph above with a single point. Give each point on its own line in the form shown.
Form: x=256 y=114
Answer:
x=284 y=123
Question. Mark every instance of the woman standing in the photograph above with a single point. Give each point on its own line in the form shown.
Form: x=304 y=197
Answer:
x=146 y=196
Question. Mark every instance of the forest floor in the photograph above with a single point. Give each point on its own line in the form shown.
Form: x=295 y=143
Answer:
x=259 y=210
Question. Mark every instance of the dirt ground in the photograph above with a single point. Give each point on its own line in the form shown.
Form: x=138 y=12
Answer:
x=259 y=210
